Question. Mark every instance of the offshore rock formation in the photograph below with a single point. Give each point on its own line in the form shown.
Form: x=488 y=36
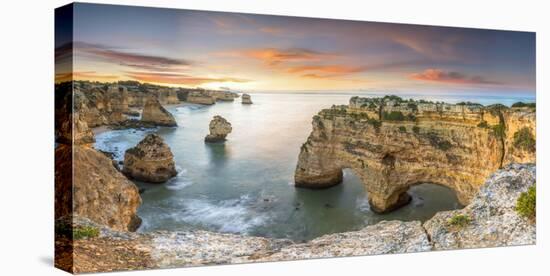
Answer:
x=150 y=160
x=493 y=218
x=393 y=144
x=246 y=99
x=219 y=129
x=200 y=97
x=155 y=113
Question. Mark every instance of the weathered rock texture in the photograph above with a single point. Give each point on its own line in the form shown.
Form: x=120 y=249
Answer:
x=386 y=237
x=155 y=113
x=224 y=96
x=392 y=144
x=150 y=160
x=246 y=99
x=96 y=190
x=200 y=97
x=219 y=129
x=494 y=220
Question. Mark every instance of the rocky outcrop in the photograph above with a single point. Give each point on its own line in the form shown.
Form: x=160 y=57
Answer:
x=87 y=184
x=393 y=144
x=219 y=129
x=150 y=160
x=492 y=218
x=386 y=237
x=163 y=249
x=245 y=99
x=155 y=113
x=200 y=97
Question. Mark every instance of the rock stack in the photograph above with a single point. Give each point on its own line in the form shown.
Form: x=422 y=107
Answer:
x=154 y=113
x=219 y=128
x=150 y=161
x=246 y=99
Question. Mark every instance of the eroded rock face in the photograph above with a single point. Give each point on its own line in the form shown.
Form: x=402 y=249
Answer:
x=98 y=191
x=150 y=160
x=155 y=113
x=246 y=99
x=393 y=144
x=224 y=96
x=199 y=97
x=494 y=220
x=219 y=129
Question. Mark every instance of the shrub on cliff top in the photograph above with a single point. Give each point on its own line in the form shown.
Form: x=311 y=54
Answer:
x=402 y=129
x=459 y=221
x=522 y=104
x=524 y=139
x=526 y=205
x=393 y=116
x=416 y=129
x=82 y=232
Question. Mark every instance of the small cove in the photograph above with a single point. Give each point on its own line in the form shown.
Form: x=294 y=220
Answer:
x=246 y=185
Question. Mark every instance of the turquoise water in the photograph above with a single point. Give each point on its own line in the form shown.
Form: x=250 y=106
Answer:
x=246 y=185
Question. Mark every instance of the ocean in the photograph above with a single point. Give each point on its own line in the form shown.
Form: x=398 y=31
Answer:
x=245 y=185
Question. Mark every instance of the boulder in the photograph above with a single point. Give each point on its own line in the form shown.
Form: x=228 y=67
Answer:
x=150 y=161
x=219 y=129
x=154 y=112
x=246 y=99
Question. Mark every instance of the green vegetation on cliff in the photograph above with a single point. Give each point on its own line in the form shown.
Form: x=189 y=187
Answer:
x=524 y=139
x=526 y=205
x=522 y=104
x=393 y=116
x=459 y=221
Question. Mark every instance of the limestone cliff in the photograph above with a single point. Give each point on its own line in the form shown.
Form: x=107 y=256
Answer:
x=393 y=144
x=155 y=113
x=87 y=184
x=150 y=160
x=200 y=97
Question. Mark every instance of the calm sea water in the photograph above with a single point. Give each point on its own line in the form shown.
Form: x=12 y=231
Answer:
x=246 y=185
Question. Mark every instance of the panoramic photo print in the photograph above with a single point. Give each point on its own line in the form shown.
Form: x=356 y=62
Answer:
x=188 y=138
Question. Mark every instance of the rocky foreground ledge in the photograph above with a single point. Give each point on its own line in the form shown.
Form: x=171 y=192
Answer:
x=491 y=220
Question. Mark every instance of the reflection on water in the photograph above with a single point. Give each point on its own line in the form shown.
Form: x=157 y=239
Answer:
x=245 y=184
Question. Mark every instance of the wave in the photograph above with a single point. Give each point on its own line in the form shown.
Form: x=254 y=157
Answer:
x=231 y=216
x=181 y=180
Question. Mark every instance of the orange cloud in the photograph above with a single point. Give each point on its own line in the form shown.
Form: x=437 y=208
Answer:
x=273 y=56
x=437 y=75
x=328 y=69
x=172 y=78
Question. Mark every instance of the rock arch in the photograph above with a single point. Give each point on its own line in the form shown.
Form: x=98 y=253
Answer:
x=390 y=157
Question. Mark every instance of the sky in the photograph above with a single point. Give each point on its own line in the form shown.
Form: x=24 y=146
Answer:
x=275 y=53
